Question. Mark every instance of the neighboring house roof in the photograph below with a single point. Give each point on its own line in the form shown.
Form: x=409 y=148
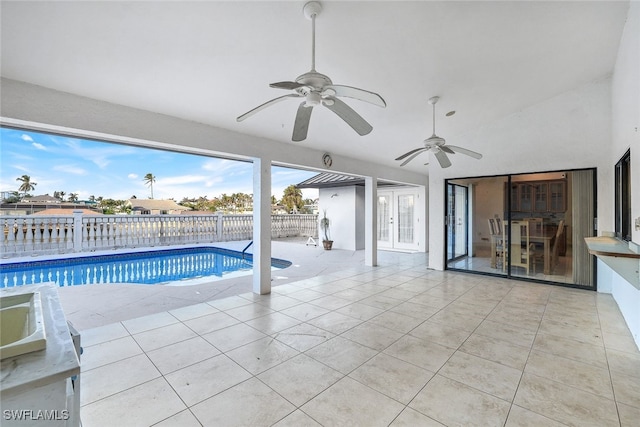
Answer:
x=327 y=179
x=156 y=205
x=65 y=212
x=43 y=198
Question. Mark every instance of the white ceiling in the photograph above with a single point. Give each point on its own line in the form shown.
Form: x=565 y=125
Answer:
x=211 y=61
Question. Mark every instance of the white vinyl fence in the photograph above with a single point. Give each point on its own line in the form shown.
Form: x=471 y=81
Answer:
x=38 y=235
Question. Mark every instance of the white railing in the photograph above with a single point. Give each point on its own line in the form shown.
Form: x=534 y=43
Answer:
x=39 y=235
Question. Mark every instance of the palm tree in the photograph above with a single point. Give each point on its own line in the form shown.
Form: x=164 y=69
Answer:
x=73 y=197
x=149 y=179
x=26 y=185
x=292 y=199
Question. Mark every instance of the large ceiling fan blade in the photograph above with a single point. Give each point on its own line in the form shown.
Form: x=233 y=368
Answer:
x=265 y=105
x=301 y=125
x=286 y=85
x=413 y=156
x=355 y=93
x=465 y=151
x=442 y=158
x=408 y=153
x=347 y=114
x=447 y=150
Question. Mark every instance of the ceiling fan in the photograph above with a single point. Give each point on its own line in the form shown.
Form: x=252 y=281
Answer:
x=436 y=145
x=318 y=89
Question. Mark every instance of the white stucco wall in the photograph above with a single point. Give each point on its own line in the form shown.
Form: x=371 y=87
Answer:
x=344 y=211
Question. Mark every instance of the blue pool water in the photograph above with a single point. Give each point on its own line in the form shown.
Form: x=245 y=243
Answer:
x=143 y=267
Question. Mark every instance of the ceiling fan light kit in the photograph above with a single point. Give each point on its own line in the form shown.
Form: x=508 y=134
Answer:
x=436 y=145
x=318 y=89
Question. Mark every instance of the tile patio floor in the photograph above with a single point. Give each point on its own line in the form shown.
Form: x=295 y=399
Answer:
x=393 y=345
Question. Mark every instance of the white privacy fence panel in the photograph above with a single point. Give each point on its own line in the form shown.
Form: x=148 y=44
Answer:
x=36 y=235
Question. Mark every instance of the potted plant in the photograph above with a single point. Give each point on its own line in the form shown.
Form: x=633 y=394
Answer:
x=324 y=224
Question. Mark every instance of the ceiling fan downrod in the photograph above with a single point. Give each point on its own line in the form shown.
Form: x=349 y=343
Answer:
x=311 y=10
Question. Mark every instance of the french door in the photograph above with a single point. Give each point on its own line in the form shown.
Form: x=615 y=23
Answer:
x=397 y=220
x=457 y=221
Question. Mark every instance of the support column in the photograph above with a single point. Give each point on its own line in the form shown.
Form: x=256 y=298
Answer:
x=371 y=221
x=262 y=226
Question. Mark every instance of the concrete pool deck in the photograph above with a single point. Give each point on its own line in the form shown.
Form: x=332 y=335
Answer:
x=91 y=306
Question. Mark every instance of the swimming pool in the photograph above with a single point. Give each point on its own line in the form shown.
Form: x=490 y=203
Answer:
x=155 y=267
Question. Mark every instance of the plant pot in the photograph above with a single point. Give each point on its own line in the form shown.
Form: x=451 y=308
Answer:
x=327 y=244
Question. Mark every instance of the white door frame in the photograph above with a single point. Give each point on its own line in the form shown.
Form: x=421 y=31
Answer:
x=393 y=241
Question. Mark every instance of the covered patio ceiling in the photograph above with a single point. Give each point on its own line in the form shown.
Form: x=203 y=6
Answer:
x=210 y=61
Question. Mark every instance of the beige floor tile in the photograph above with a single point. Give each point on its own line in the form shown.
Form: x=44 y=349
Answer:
x=102 y=334
x=182 y=354
x=262 y=354
x=233 y=336
x=272 y=323
x=109 y=352
x=300 y=378
x=160 y=337
x=467 y=322
x=585 y=334
x=297 y=419
x=571 y=349
x=202 y=380
x=307 y=295
x=530 y=322
x=181 y=419
x=565 y=404
x=212 y=322
x=341 y=354
x=412 y=418
x=335 y=322
x=152 y=321
x=431 y=301
x=396 y=321
x=491 y=377
x=629 y=415
x=229 y=302
x=440 y=333
x=330 y=302
x=250 y=403
x=455 y=404
x=337 y=406
x=626 y=389
x=425 y=354
x=302 y=337
x=620 y=342
x=382 y=302
x=624 y=363
x=392 y=377
x=496 y=350
x=372 y=335
x=134 y=407
x=193 y=311
x=304 y=311
x=279 y=302
x=570 y=372
x=419 y=311
x=248 y=312
x=115 y=377
x=520 y=417
x=502 y=331
x=360 y=311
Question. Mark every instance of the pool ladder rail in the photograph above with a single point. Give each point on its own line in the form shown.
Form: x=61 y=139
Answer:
x=245 y=248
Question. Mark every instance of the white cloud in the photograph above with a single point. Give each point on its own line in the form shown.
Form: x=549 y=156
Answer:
x=26 y=137
x=74 y=170
x=39 y=146
x=132 y=176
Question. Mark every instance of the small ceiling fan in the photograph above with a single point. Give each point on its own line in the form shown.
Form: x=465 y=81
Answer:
x=436 y=145
x=318 y=89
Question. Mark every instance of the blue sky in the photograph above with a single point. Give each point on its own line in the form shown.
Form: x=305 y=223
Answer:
x=86 y=167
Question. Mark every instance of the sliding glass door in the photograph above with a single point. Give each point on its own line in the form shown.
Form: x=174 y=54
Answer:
x=457 y=221
x=529 y=226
